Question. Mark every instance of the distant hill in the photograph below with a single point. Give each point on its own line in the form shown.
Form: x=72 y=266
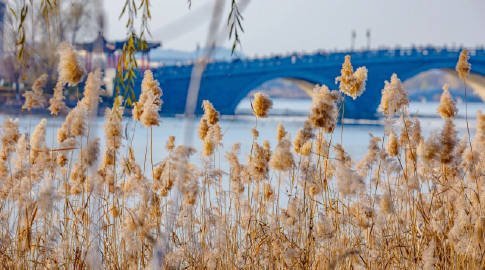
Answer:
x=428 y=86
x=171 y=56
x=435 y=94
x=282 y=88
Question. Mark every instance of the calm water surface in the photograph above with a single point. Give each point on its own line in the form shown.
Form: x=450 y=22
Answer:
x=238 y=128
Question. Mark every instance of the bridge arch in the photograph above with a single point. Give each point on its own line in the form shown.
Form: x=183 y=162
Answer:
x=250 y=82
x=367 y=104
x=226 y=83
x=309 y=78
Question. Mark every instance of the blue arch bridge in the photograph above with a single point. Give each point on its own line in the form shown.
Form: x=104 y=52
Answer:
x=226 y=83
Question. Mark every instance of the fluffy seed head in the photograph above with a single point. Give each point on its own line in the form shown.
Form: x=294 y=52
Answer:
x=463 y=67
x=282 y=159
x=37 y=141
x=324 y=112
x=74 y=125
x=261 y=105
x=306 y=148
x=150 y=116
x=170 y=145
x=149 y=104
x=203 y=128
x=428 y=150
x=393 y=145
x=35 y=99
x=448 y=142
x=394 y=97
x=57 y=103
x=92 y=90
x=258 y=163
x=302 y=136
x=113 y=126
x=212 y=139
x=9 y=136
x=447 y=108
x=70 y=69
x=281 y=132
x=352 y=83
x=255 y=133
x=210 y=113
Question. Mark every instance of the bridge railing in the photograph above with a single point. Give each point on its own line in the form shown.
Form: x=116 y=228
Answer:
x=319 y=57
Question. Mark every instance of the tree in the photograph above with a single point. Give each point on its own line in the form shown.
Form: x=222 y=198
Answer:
x=41 y=29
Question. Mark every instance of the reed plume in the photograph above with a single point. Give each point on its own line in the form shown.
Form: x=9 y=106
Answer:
x=447 y=108
x=282 y=158
x=35 y=99
x=57 y=104
x=324 y=111
x=463 y=66
x=149 y=104
x=352 y=83
x=92 y=91
x=414 y=200
x=70 y=69
x=394 y=97
x=261 y=105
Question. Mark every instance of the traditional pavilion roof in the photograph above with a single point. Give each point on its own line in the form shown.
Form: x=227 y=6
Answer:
x=100 y=44
x=141 y=46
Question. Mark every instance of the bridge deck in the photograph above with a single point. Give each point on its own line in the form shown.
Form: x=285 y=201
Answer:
x=225 y=83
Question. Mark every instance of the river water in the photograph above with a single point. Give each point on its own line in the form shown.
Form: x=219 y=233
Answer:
x=238 y=128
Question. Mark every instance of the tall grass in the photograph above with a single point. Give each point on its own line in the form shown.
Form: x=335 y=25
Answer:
x=411 y=202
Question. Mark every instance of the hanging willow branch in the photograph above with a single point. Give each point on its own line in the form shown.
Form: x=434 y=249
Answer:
x=20 y=29
x=126 y=66
x=145 y=17
x=234 y=21
x=48 y=8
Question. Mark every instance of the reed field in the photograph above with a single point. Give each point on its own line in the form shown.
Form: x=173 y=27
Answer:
x=81 y=202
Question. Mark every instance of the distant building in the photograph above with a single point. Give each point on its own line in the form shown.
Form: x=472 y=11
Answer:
x=110 y=50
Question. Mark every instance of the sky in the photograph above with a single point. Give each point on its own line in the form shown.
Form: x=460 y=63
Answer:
x=281 y=26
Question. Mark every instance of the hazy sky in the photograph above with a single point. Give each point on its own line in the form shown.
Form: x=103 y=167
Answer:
x=279 y=26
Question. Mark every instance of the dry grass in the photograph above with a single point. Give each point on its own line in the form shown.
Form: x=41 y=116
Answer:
x=411 y=202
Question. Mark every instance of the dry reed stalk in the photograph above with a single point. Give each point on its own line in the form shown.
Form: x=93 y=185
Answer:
x=411 y=202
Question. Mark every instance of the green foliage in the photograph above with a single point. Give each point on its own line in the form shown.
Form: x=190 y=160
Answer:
x=126 y=71
x=126 y=66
